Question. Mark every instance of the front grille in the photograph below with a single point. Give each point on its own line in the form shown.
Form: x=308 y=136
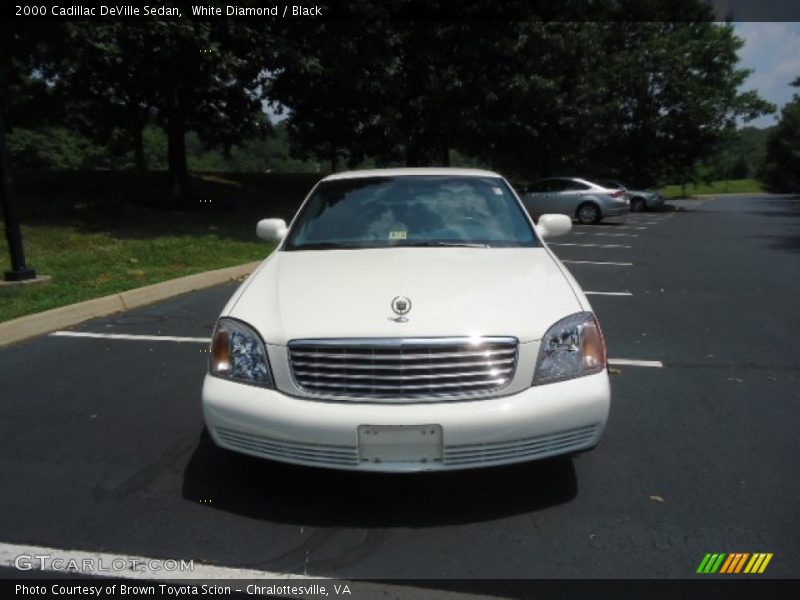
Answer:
x=415 y=369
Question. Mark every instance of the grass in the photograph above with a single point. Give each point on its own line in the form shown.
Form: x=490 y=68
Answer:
x=100 y=233
x=733 y=186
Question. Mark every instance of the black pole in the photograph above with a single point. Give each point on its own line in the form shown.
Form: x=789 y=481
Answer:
x=19 y=271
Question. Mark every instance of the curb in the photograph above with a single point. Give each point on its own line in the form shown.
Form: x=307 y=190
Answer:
x=30 y=326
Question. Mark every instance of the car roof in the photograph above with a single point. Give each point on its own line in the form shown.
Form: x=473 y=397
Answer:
x=408 y=172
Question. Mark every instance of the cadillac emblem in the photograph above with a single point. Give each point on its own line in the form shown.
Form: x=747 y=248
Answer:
x=401 y=305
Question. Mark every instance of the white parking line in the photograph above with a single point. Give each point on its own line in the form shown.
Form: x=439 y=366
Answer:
x=608 y=293
x=629 y=362
x=592 y=262
x=593 y=245
x=608 y=234
x=127 y=336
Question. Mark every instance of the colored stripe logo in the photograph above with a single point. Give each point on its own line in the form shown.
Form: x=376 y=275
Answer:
x=735 y=562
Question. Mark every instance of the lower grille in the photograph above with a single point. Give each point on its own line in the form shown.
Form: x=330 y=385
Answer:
x=321 y=454
x=415 y=368
x=522 y=449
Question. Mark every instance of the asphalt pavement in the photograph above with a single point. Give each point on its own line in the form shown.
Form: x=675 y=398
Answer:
x=101 y=443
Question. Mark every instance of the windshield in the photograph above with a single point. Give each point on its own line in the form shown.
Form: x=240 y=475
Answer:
x=424 y=210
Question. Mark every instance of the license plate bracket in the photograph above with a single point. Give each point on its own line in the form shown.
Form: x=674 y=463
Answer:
x=400 y=443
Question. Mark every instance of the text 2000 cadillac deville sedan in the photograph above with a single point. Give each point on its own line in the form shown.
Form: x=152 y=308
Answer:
x=409 y=320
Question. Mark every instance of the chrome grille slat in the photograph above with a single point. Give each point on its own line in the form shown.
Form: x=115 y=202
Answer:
x=413 y=369
x=405 y=356
x=401 y=377
x=425 y=386
x=383 y=367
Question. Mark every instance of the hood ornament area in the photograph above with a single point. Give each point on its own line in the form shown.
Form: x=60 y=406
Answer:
x=401 y=306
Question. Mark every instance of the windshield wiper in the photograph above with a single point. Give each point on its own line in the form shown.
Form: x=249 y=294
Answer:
x=435 y=244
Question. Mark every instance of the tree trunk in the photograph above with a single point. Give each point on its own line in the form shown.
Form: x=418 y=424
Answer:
x=419 y=153
x=8 y=200
x=138 y=142
x=334 y=160
x=544 y=163
x=176 y=150
x=412 y=155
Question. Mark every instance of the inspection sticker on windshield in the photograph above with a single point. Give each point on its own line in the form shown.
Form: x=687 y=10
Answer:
x=397 y=235
x=497 y=191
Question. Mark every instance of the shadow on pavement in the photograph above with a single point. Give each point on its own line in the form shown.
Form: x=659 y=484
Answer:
x=785 y=208
x=778 y=207
x=787 y=243
x=270 y=491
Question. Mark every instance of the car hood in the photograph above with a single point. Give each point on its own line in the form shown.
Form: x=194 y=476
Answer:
x=516 y=292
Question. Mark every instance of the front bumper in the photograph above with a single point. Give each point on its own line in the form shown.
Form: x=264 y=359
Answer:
x=539 y=422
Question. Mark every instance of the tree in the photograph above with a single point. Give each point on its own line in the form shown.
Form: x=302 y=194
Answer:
x=331 y=76
x=678 y=93
x=201 y=75
x=782 y=166
x=640 y=100
x=106 y=76
x=27 y=100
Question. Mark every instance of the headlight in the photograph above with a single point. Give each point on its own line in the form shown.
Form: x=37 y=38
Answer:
x=237 y=353
x=573 y=347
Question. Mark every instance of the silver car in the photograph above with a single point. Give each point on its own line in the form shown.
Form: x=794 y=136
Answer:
x=641 y=200
x=577 y=198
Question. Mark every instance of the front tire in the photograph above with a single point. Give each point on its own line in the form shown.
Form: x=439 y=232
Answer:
x=589 y=213
x=638 y=205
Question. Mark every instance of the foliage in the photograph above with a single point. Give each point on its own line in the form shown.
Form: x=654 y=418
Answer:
x=55 y=148
x=727 y=186
x=61 y=148
x=782 y=166
x=645 y=90
x=186 y=75
x=642 y=100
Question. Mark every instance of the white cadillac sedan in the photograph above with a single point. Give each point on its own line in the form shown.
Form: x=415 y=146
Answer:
x=409 y=320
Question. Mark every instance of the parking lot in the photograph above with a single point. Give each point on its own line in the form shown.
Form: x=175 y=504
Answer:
x=102 y=444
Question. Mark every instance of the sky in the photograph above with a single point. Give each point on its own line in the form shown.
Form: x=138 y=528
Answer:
x=772 y=51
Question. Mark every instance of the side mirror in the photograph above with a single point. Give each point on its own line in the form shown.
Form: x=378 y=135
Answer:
x=271 y=230
x=550 y=226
